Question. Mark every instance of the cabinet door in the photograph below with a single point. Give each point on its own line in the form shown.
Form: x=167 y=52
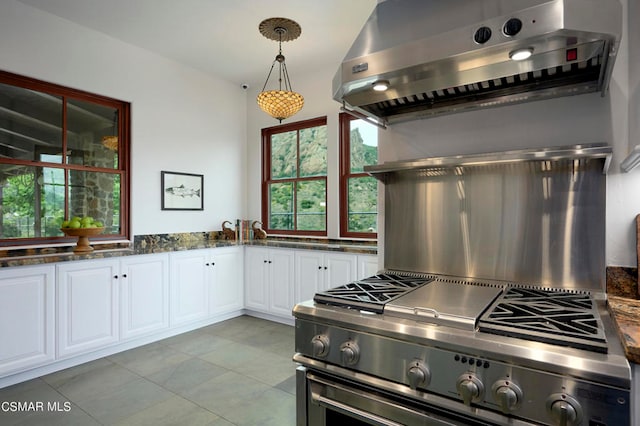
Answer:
x=341 y=269
x=256 y=280
x=367 y=265
x=144 y=294
x=26 y=317
x=227 y=272
x=189 y=286
x=309 y=272
x=87 y=306
x=281 y=272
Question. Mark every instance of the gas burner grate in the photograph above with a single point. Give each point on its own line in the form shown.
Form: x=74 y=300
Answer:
x=556 y=317
x=371 y=293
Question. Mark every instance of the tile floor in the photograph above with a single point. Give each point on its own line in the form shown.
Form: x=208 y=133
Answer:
x=237 y=372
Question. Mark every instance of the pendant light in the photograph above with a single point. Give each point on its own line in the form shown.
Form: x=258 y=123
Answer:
x=111 y=141
x=283 y=102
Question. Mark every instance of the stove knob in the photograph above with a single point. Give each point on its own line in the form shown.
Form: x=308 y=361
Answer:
x=350 y=353
x=564 y=410
x=470 y=388
x=419 y=375
x=507 y=394
x=320 y=346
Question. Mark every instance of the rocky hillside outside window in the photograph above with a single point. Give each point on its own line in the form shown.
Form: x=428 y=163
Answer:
x=294 y=178
x=358 y=190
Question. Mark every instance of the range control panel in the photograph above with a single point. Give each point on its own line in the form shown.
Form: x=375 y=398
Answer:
x=473 y=380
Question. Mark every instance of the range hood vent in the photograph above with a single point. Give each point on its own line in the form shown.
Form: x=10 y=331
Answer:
x=441 y=57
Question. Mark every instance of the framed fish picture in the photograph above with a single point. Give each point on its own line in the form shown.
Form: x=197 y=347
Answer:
x=182 y=191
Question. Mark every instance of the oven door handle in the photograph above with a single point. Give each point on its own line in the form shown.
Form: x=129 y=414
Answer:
x=352 y=411
x=320 y=388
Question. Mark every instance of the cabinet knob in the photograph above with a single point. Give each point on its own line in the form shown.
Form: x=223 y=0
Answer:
x=124 y=275
x=206 y=264
x=264 y=261
x=326 y=268
x=115 y=277
x=319 y=267
x=213 y=263
x=269 y=261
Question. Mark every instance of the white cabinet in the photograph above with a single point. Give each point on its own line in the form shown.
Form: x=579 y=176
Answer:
x=280 y=275
x=226 y=288
x=367 y=265
x=144 y=294
x=205 y=282
x=27 y=299
x=87 y=305
x=269 y=280
x=318 y=271
x=256 y=279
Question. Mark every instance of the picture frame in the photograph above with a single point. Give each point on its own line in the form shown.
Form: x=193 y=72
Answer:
x=181 y=191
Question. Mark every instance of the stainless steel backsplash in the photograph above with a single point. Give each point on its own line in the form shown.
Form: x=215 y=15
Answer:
x=539 y=223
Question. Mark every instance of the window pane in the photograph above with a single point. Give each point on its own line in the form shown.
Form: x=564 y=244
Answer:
x=30 y=123
x=284 y=155
x=363 y=204
x=313 y=151
x=281 y=206
x=92 y=134
x=363 y=146
x=32 y=201
x=97 y=195
x=312 y=205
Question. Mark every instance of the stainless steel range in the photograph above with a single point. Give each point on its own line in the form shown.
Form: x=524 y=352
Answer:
x=517 y=333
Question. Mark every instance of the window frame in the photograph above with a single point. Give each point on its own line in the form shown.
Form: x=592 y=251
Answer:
x=124 y=162
x=345 y=120
x=267 y=180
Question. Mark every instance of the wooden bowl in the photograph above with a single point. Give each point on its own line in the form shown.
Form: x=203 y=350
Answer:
x=83 y=234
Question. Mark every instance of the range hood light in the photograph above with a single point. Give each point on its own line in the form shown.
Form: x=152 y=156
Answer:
x=521 y=54
x=380 y=85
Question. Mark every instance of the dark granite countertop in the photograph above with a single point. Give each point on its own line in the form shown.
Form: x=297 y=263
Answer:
x=163 y=243
x=330 y=245
x=624 y=305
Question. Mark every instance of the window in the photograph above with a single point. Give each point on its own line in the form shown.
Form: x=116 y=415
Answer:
x=63 y=153
x=358 y=190
x=294 y=178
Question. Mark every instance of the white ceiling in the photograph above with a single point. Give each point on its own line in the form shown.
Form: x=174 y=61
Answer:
x=221 y=36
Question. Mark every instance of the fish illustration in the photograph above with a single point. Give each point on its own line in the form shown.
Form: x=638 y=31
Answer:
x=181 y=191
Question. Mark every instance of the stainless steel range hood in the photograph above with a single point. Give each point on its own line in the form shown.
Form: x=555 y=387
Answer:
x=447 y=56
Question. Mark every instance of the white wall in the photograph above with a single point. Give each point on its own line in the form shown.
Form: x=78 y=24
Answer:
x=182 y=119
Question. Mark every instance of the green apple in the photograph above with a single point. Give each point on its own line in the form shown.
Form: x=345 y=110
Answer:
x=74 y=224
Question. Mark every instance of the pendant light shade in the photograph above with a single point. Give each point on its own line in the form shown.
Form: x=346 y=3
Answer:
x=280 y=104
x=283 y=102
x=111 y=141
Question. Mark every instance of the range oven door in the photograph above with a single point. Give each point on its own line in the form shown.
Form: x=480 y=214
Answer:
x=327 y=400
